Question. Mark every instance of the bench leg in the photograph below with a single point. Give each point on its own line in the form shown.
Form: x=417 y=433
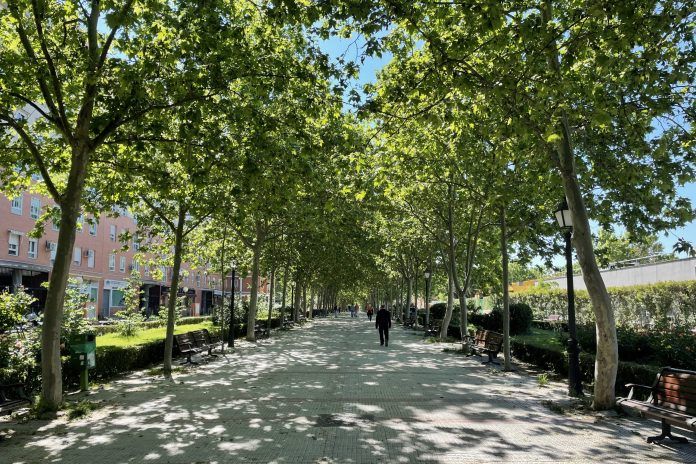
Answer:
x=667 y=433
x=188 y=360
x=492 y=359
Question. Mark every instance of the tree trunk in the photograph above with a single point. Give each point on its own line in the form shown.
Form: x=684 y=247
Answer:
x=178 y=247
x=271 y=300
x=304 y=300
x=450 y=303
x=51 y=372
x=506 y=293
x=311 y=303
x=254 y=297
x=298 y=298
x=409 y=294
x=415 y=295
x=221 y=310
x=607 y=357
x=285 y=290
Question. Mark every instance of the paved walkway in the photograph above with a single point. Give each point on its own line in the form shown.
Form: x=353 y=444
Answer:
x=331 y=394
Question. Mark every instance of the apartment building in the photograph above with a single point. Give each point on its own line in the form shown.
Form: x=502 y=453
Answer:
x=99 y=265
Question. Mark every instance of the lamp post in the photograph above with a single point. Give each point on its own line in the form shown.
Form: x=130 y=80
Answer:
x=565 y=220
x=427 y=274
x=231 y=341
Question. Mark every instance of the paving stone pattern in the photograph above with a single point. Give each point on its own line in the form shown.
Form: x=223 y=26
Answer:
x=328 y=393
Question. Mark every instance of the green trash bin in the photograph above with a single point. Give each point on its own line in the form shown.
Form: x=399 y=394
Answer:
x=83 y=348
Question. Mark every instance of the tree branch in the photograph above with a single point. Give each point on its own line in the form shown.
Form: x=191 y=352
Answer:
x=34 y=150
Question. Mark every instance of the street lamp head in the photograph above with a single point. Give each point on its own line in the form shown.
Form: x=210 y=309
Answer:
x=563 y=215
x=427 y=273
x=234 y=264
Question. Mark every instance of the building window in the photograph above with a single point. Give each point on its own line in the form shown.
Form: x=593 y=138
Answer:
x=13 y=248
x=54 y=225
x=33 y=248
x=93 y=228
x=90 y=258
x=80 y=223
x=147 y=270
x=135 y=266
x=198 y=281
x=52 y=246
x=35 y=208
x=122 y=264
x=117 y=298
x=112 y=262
x=112 y=233
x=17 y=205
x=136 y=242
x=77 y=256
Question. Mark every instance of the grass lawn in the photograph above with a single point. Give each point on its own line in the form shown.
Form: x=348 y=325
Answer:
x=541 y=338
x=146 y=336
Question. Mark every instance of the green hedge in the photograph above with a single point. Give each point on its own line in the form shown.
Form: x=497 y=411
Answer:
x=557 y=361
x=632 y=305
x=113 y=328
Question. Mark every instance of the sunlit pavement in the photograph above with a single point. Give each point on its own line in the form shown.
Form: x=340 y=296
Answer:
x=328 y=393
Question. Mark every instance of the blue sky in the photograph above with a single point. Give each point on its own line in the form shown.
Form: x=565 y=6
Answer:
x=351 y=50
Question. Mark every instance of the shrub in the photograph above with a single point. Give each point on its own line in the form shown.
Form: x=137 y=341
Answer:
x=675 y=347
x=520 y=319
x=548 y=358
x=12 y=307
x=660 y=303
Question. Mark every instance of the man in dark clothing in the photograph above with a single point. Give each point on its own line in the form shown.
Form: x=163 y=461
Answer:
x=383 y=324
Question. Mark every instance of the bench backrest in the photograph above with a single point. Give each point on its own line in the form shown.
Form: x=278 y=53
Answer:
x=211 y=339
x=676 y=389
x=199 y=338
x=488 y=339
x=184 y=339
x=554 y=317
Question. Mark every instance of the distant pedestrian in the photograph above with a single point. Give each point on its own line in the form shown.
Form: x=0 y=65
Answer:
x=383 y=324
x=355 y=310
x=335 y=310
x=369 y=311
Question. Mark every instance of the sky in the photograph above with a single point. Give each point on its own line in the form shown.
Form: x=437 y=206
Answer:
x=350 y=49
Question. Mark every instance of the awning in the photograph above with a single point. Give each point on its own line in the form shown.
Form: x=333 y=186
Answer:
x=24 y=266
x=16 y=232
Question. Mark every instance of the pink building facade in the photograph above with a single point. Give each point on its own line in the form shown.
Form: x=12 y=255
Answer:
x=99 y=265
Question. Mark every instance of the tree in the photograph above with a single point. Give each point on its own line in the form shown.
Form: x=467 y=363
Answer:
x=600 y=93
x=611 y=248
x=73 y=75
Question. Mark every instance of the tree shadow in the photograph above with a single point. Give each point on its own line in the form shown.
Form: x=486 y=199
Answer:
x=331 y=394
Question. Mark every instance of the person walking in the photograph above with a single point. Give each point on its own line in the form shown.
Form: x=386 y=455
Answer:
x=383 y=324
x=369 y=311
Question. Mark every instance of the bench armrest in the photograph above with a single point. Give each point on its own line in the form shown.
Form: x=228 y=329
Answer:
x=633 y=386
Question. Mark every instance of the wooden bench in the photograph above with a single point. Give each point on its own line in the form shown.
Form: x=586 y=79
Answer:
x=672 y=400
x=213 y=339
x=486 y=342
x=12 y=397
x=201 y=340
x=434 y=329
x=288 y=324
x=187 y=346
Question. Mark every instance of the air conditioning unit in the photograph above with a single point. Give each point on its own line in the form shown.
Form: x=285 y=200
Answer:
x=86 y=253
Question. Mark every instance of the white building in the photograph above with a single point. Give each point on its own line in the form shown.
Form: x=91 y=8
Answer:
x=642 y=274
